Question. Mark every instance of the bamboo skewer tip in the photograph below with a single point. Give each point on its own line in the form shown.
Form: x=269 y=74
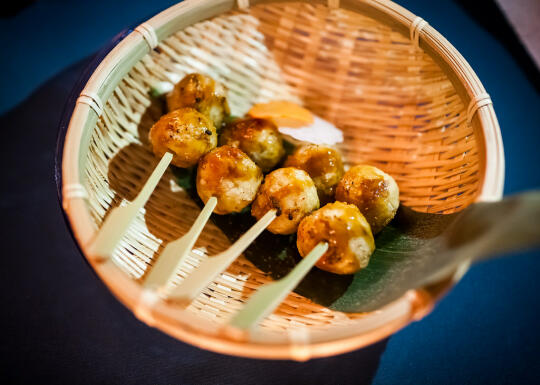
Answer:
x=269 y=296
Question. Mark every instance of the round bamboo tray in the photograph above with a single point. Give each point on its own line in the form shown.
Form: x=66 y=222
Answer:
x=406 y=100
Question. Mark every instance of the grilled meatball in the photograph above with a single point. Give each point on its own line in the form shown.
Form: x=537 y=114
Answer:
x=229 y=175
x=292 y=193
x=349 y=237
x=202 y=93
x=324 y=166
x=373 y=191
x=186 y=133
x=259 y=138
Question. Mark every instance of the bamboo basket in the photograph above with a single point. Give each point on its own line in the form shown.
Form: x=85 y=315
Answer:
x=405 y=98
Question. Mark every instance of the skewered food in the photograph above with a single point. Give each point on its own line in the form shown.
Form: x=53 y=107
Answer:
x=349 y=237
x=373 y=191
x=258 y=138
x=367 y=198
x=324 y=166
x=202 y=93
x=229 y=175
x=186 y=133
x=292 y=193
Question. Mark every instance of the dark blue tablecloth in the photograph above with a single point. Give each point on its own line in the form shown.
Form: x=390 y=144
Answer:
x=61 y=325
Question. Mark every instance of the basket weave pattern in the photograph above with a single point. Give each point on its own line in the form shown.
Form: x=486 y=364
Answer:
x=397 y=108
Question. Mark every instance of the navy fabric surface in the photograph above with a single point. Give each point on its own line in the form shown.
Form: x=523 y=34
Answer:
x=60 y=323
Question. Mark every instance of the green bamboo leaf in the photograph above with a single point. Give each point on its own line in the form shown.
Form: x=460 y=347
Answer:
x=288 y=146
x=414 y=250
x=185 y=177
x=420 y=249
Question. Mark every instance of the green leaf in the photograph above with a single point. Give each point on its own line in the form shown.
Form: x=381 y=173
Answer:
x=399 y=247
x=245 y=210
x=421 y=249
x=288 y=146
x=185 y=177
x=159 y=89
x=414 y=250
x=230 y=118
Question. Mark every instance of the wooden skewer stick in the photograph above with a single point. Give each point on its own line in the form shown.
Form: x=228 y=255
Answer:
x=117 y=222
x=174 y=254
x=269 y=296
x=213 y=266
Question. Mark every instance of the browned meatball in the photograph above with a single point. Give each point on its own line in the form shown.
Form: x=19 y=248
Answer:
x=349 y=237
x=324 y=166
x=186 y=133
x=292 y=193
x=202 y=93
x=259 y=138
x=373 y=191
x=229 y=175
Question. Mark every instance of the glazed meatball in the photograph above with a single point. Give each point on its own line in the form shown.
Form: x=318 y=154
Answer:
x=259 y=138
x=373 y=191
x=186 y=133
x=349 y=237
x=202 y=93
x=292 y=193
x=229 y=175
x=324 y=166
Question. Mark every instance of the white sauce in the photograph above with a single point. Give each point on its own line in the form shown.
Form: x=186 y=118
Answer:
x=318 y=132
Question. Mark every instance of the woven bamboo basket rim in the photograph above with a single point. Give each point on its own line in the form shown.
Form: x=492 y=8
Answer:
x=192 y=329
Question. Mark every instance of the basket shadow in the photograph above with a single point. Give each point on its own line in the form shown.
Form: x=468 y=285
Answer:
x=127 y=173
x=129 y=169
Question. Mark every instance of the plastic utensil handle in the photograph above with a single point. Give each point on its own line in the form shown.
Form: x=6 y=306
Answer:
x=117 y=222
x=269 y=296
x=175 y=252
x=213 y=266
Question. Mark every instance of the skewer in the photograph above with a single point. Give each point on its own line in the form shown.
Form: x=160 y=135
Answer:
x=269 y=296
x=174 y=254
x=117 y=222
x=213 y=266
